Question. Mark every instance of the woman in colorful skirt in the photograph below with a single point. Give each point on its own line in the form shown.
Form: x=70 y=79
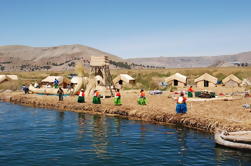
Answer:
x=96 y=98
x=142 y=98
x=181 y=106
x=81 y=96
x=190 y=91
x=117 y=99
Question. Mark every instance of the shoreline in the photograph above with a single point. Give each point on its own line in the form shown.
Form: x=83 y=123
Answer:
x=156 y=114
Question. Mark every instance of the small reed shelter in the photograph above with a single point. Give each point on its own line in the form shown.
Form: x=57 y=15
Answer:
x=206 y=80
x=177 y=80
x=4 y=78
x=231 y=81
x=122 y=79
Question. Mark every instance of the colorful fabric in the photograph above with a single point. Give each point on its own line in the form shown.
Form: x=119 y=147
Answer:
x=142 y=94
x=96 y=100
x=81 y=99
x=55 y=85
x=181 y=108
x=117 y=101
x=142 y=101
x=190 y=94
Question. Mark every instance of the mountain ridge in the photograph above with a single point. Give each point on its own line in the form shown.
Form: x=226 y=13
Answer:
x=64 y=57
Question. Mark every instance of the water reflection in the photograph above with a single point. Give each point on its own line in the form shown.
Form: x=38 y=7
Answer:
x=81 y=123
x=182 y=144
x=225 y=156
x=100 y=140
x=60 y=116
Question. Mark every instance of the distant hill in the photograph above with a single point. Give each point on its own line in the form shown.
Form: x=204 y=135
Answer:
x=190 y=62
x=25 y=58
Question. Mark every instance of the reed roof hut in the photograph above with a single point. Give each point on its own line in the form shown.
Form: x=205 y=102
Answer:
x=50 y=80
x=231 y=81
x=177 y=79
x=8 y=78
x=206 y=80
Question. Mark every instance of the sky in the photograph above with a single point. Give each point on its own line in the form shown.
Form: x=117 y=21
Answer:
x=130 y=28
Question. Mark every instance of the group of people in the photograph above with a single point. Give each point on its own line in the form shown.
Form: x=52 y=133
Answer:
x=181 y=106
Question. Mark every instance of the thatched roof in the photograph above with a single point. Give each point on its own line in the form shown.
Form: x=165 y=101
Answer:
x=99 y=61
x=2 y=78
x=231 y=77
x=51 y=79
x=12 y=77
x=177 y=76
x=245 y=82
x=206 y=77
x=125 y=78
x=8 y=77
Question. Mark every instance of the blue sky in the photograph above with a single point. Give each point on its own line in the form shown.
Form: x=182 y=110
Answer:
x=131 y=28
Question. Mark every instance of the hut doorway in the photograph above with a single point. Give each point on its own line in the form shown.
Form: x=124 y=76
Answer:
x=175 y=82
x=206 y=83
x=120 y=82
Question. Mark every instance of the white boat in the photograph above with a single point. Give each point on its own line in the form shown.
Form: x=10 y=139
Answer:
x=237 y=140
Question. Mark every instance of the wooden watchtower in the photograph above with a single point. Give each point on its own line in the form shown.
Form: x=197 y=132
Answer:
x=100 y=66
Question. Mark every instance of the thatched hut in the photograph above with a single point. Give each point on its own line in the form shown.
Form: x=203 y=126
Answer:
x=122 y=79
x=206 y=80
x=231 y=81
x=8 y=78
x=177 y=79
x=50 y=80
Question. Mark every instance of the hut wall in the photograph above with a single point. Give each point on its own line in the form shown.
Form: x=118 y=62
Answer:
x=200 y=84
x=231 y=83
x=211 y=84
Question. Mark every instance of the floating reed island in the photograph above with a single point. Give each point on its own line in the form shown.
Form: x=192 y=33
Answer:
x=207 y=115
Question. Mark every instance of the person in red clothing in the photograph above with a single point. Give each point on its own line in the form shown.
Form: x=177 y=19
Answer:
x=117 y=99
x=96 y=97
x=181 y=106
x=190 y=91
x=81 y=96
x=142 y=98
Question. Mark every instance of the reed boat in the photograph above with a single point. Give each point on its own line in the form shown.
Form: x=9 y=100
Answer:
x=238 y=140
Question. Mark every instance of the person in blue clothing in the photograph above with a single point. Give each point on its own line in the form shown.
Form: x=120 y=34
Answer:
x=56 y=82
x=181 y=106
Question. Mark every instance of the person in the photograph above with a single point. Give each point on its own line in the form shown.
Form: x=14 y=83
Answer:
x=117 y=99
x=142 y=98
x=25 y=89
x=36 y=85
x=81 y=96
x=190 y=91
x=56 y=82
x=60 y=94
x=181 y=106
x=96 y=97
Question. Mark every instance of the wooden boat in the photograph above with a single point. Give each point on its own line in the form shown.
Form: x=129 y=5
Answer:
x=238 y=140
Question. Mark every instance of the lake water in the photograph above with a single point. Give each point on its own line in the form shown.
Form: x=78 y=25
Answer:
x=32 y=136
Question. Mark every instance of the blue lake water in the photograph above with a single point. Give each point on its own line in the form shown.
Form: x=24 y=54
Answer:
x=32 y=136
